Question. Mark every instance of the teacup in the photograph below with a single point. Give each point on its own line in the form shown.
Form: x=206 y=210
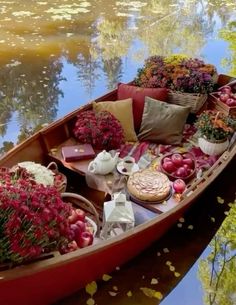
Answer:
x=128 y=163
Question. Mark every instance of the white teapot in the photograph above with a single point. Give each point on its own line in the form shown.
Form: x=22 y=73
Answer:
x=103 y=164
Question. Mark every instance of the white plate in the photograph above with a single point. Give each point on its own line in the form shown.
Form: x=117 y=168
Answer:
x=120 y=168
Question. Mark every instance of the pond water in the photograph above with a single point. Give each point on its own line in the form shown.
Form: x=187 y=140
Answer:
x=58 y=55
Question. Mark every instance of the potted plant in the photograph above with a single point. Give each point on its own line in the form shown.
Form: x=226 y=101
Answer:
x=189 y=80
x=215 y=130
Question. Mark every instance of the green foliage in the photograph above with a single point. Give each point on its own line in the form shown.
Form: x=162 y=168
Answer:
x=217 y=271
x=229 y=35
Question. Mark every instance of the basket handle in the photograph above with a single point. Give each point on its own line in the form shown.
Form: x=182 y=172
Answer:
x=53 y=167
x=88 y=204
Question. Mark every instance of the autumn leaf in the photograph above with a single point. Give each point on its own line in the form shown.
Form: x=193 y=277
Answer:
x=90 y=301
x=129 y=293
x=154 y=281
x=151 y=293
x=91 y=288
x=106 y=277
x=166 y=250
x=220 y=200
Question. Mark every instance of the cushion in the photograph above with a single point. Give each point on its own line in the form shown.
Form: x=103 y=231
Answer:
x=123 y=111
x=138 y=95
x=162 y=122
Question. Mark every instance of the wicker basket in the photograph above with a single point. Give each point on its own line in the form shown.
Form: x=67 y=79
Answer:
x=83 y=203
x=193 y=100
x=60 y=180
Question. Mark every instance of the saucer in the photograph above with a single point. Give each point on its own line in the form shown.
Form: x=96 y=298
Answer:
x=121 y=168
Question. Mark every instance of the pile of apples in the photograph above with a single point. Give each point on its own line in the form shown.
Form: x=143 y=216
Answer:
x=81 y=230
x=178 y=165
x=227 y=96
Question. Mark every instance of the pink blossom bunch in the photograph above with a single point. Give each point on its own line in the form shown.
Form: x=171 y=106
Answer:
x=102 y=130
x=33 y=217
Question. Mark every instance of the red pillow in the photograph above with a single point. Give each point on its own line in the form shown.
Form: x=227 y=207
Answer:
x=138 y=95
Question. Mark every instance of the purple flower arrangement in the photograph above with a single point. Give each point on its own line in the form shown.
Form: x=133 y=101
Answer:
x=178 y=73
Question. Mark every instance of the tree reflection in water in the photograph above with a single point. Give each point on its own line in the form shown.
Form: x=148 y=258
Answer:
x=217 y=271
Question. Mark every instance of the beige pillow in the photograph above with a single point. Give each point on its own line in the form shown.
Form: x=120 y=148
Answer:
x=123 y=111
x=162 y=122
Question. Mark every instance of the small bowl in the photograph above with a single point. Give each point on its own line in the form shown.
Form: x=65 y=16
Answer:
x=172 y=175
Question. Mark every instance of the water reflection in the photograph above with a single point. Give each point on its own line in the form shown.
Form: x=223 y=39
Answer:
x=217 y=270
x=104 y=41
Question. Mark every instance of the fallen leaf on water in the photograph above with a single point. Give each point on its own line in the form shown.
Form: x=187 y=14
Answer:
x=106 y=277
x=154 y=281
x=91 y=288
x=220 y=200
x=112 y=293
x=151 y=293
x=129 y=293
x=90 y=301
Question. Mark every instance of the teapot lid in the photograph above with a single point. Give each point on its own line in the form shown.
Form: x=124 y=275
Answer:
x=104 y=156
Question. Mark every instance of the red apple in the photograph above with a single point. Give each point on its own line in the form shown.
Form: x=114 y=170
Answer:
x=81 y=225
x=231 y=102
x=177 y=159
x=226 y=89
x=179 y=186
x=75 y=230
x=76 y=214
x=72 y=246
x=188 y=161
x=85 y=239
x=166 y=159
x=169 y=166
x=224 y=97
x=181 y=172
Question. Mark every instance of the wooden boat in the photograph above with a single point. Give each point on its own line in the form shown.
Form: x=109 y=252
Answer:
x=55 y=276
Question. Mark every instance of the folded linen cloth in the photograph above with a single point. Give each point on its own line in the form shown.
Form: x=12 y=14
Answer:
x=134 y=150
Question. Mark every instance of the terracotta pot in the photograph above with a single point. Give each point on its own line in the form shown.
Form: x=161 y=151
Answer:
x=213 y=148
